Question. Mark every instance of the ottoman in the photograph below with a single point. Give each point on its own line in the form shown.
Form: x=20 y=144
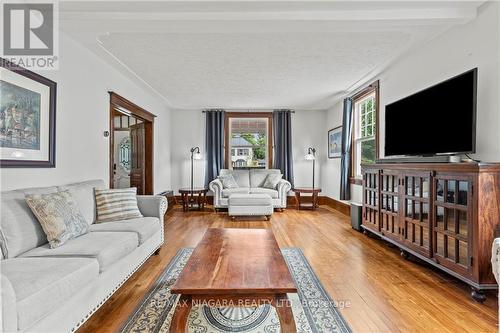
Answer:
x=256 y=204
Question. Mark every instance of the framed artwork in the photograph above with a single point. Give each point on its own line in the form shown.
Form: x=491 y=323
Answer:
x=335 y=142
x=27 y=118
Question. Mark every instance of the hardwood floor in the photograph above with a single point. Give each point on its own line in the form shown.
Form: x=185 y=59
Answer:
x=382 y=291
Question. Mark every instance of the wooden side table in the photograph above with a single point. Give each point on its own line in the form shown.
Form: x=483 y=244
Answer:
x=192 y=202
x=314 y=191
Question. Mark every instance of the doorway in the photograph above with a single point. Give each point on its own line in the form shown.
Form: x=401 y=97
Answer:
x=131 y=146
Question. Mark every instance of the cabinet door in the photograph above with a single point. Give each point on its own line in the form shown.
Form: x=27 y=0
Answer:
x=371 y=184
x=389 y=204
x=452 y=221
x=416 y=212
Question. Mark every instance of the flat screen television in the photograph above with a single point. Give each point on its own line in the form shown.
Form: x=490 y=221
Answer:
x=438 y=120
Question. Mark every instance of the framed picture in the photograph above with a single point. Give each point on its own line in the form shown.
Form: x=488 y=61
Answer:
x=335 y=142
x=27 y=118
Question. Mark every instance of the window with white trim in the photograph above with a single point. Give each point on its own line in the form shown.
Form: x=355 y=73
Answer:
x=365 y=127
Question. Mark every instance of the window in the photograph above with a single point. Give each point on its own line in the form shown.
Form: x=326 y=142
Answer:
x=365 y=138
x=248 y=138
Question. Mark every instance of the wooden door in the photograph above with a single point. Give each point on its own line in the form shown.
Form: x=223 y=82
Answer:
x=389 y=204
x=452 y=222
x=138 y=169
x=416 y=211
x=371 y=189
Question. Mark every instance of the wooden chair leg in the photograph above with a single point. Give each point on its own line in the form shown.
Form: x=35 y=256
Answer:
x=181 y=314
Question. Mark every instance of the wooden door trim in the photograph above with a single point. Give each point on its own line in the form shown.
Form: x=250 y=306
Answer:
x=268 y=115
x=123 y=105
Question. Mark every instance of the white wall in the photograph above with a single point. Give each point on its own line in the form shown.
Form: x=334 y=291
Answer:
x=475 y=44
x=188 y=131
x=83 y=82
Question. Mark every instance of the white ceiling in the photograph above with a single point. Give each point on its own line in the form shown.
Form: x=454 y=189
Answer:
x=256 y=54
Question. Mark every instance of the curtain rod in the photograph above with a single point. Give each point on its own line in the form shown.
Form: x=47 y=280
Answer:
x=246 y=110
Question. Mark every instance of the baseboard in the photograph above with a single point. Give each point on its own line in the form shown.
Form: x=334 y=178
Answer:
x=338 y=205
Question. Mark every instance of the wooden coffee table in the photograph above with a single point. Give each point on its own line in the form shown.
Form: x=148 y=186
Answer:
x=235 y=267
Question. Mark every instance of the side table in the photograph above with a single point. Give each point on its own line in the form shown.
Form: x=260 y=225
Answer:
x=314 y=203
x=193 y=199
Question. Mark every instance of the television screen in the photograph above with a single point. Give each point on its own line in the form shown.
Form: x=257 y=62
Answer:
x=438 y=120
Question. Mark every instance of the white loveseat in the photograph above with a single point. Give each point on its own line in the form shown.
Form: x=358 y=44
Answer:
x=56 y=290
x=250 y=181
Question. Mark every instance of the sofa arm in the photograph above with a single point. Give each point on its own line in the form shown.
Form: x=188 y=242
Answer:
x=152 y=205
x=283 y=187
x=216 y=187
x=7 y=306
x=495 y=258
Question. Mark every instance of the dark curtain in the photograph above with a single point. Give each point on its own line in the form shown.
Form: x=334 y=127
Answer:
x=345 y=185
x=282 y=140
x=214 y=144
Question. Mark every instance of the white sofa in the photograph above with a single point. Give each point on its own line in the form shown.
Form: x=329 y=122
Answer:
x=250 y=181
x=57 y=290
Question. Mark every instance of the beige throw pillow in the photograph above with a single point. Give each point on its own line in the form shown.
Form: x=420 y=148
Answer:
x=116 y=204
x=59 y=216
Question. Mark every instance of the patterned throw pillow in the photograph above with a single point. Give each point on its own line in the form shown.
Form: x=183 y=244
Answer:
x=116 y=204
x=59 y=216
x=272 y=180
x=228 y=181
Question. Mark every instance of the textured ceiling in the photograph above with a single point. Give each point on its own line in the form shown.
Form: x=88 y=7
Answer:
x=253 y=70
x=256 y=54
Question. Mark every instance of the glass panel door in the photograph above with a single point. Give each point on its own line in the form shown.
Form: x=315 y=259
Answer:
x=416 y=212
x=452 y=221
x=371 y=199
x=390 y=205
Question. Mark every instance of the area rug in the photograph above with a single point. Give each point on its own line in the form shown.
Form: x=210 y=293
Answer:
x=312 y=307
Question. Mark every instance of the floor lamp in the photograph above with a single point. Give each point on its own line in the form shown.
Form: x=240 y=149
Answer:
x=311 y=156
x=195 y=155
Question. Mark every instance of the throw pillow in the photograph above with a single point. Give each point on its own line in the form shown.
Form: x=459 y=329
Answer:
x=272 y=180
x=228 y=181
x=59 y=216
x=116 y=204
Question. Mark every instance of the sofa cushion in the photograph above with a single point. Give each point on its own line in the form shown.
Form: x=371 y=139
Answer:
x=83 y=193
x=228 y=191
x=259 y=190
x=106 y=247
x=241 y=176
x=20 y=230
x=272 y=181
x=228 y=181
x=144 y=227
x=41 y=285
x=117 y=204
x=59 y=216
x=258 y=176
x=250 y=200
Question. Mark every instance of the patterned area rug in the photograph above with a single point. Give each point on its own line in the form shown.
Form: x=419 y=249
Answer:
x=313 y=309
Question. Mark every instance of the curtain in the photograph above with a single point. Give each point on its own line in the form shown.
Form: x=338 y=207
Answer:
x=214 y=144
x=345 y=185
x=282 y=140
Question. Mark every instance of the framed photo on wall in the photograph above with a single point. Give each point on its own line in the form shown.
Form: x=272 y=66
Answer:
x=335 y=142
x=27 y=118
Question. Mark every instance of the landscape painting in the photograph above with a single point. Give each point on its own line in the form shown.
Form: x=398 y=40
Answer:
x=335 y=142
x=27 y=118
x=19 y=117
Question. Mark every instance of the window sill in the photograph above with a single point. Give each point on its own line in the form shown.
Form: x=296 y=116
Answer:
x=356 y=181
